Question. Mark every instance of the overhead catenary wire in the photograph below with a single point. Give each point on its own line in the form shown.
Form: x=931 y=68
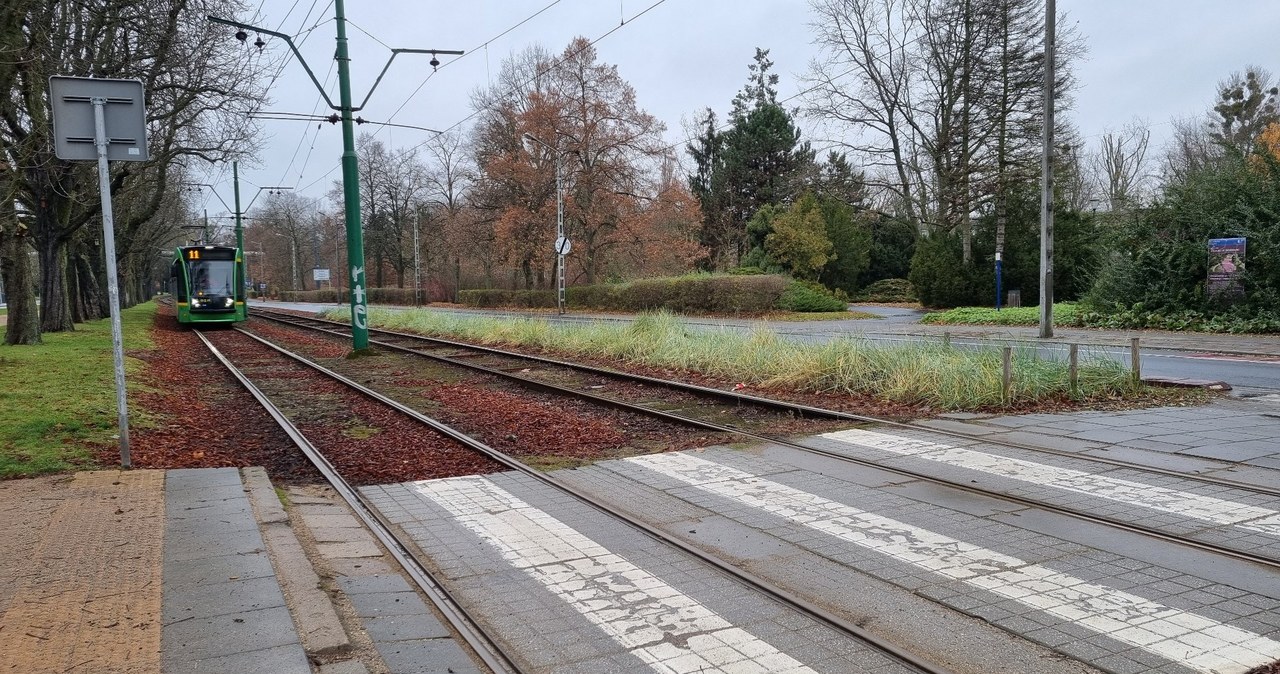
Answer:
x=316 y=106
x=484 y=45
x=332 y=119
x=304 y=33
x=555 y=63
x=472 y=115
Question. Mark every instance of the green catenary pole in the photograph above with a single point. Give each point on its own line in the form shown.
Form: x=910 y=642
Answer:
x=351 y=191
x=240 y=277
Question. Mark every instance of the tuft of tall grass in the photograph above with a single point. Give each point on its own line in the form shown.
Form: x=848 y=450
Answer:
x=927 y=373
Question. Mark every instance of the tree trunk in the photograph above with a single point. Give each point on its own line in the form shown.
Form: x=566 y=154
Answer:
x=55 y=305
x=527 y=270
x=23 y=320
x=91 y=273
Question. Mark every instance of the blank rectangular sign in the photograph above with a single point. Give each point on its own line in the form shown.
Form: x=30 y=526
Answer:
x=123 y=112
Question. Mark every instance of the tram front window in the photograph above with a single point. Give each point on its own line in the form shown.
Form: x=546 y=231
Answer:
x=212 y=277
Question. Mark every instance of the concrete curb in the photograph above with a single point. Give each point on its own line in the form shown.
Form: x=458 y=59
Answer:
x=318 y=624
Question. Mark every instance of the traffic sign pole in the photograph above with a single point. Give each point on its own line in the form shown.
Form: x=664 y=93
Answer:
x=113 y=284
x=81 y=134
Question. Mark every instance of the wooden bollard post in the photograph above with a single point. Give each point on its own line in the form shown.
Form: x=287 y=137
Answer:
x=1006 y=390
x=1073 y=369
x=1136 y=360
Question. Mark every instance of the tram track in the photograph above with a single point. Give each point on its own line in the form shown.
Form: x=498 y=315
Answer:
x=464 y=624
x=341 y=329
x=406 y=343
x=486 y=645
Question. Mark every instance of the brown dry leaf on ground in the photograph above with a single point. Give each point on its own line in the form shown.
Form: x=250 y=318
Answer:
x=204 y=418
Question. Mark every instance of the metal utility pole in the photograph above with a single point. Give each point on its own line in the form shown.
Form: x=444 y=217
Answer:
x=1046 y=181
x=244 y=273
x=562 y=245
x=417 y=267
x=350 y=174
x=237 y=213
x=351 y=190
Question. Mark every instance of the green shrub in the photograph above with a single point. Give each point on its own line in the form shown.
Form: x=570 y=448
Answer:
x=889 y=290
x=810 y=297
x=699 y=293
x=939 y=275
x=704 y=293
x=393 y=295
x=1238 y=321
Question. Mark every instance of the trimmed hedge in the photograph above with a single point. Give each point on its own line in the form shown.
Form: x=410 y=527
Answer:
x=494 y=298
x=683 y=294
x=337 y=295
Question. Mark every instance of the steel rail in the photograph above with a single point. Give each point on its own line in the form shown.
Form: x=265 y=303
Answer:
x=453 y=611
x=797 y=407
x=752 y=580
x=905 y=472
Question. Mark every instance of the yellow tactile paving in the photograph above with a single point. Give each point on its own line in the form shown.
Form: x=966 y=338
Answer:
x=87 y=597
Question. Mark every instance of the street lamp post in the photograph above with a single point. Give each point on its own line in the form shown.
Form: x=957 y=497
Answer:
x=562 y=245
x=350 y=174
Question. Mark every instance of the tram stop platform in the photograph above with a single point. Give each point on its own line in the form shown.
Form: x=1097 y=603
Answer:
x=201 y=571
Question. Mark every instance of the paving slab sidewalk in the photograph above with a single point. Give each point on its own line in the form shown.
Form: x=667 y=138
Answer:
x=148 y=571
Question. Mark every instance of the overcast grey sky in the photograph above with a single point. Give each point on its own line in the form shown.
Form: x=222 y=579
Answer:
x=1152 y=59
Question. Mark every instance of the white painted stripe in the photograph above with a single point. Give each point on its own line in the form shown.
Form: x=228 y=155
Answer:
x=1179 y=636
x=667 y=630
x=1196 y=506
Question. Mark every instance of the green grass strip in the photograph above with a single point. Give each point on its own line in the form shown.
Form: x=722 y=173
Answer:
x=919 y=374
x=58 y=398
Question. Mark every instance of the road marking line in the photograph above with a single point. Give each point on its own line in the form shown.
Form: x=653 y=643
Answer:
x=668 y=630
x=1163 y=499
x=1171 y=633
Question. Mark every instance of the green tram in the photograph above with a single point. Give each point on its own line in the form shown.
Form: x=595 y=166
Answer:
x=207 y=287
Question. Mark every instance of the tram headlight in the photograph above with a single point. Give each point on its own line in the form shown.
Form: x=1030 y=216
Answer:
x=227 y=302
x=195 y=302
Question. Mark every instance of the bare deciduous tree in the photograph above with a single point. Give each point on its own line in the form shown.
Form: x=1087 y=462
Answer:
x=943 y=104
x=1120 y=167
x=199 y=84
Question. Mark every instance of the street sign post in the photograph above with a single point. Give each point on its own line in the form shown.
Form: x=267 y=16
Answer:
x=103 y=119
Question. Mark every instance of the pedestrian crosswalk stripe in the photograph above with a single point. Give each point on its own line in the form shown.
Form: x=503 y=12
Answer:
x=1129 y=492
x=663 y=627
x=1180 y=636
